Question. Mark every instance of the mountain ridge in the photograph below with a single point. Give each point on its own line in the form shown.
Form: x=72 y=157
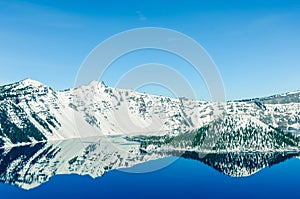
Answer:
x=34 y=112
x=30 y=81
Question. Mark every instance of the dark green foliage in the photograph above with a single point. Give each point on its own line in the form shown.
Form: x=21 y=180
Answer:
x=71 y=105
x=50 y=119
x=1 y=142
x=73 y=160
x=91 y=119
x=41 y=122
x=233 y=163
x=199 y=136
x=26 y=152
x=151 y=140
x=255 y=138
x=18 y=134
x=276 y=99
x=225 y=135
x=260 y=105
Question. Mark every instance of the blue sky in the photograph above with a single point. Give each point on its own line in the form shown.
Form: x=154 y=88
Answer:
x=255 y=44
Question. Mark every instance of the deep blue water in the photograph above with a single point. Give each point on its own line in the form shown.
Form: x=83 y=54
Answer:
x=183 y=179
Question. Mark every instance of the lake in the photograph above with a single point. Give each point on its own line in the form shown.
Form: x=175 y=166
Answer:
x=85 y=169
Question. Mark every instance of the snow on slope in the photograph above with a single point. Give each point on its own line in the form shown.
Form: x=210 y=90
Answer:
x=43 y=107
x=118 y=111
x=31 y=111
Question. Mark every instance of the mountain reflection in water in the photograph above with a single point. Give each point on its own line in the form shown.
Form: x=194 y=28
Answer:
x=29 y=166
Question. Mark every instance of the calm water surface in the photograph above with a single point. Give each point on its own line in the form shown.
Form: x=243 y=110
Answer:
x=185 y=178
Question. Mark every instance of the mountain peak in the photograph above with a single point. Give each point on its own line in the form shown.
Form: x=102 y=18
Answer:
x=31 y=82
x=22 y=84
x=96 y=83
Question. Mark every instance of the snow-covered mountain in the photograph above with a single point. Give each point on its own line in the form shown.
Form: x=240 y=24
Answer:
x=31 y=112
x=151 y=127
x=225 y=135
